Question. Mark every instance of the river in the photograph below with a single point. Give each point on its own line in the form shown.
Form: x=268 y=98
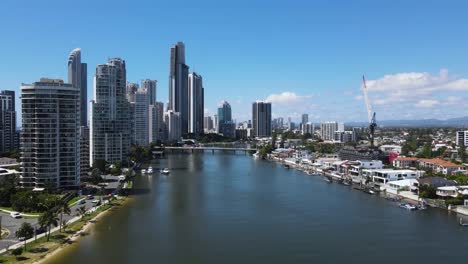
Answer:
x=227 y=208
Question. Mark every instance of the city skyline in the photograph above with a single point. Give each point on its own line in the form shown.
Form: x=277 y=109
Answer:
x=294 y=66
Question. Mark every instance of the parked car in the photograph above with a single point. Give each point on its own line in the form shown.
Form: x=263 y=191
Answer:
x=82 y=201
x=15 y=215
x=89 y=197
x=96 y=202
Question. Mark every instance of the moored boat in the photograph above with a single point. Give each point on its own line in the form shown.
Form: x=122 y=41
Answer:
x=407 y=206
x=165 y=171
x=462 y=223
x=143 y=171
x=150 y=169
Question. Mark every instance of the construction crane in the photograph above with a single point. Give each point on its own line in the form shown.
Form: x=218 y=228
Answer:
x=370 y=113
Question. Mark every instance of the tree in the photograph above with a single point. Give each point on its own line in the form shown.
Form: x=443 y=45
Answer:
x=427 y=191
x=48 y=219
x=462 y=152
x=81 y=211
x=99 y=164
x=17 y=252
x=426 y=152
x=7 y=189
x=26 y=231
x=63 y=208
x=265 y=150
x=273 y=139
x=96 y=176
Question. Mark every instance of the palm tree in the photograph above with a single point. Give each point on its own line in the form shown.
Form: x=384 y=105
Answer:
x=63 y=208
x=81 y=211
x=47 y=219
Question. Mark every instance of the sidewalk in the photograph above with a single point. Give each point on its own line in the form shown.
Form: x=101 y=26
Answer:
x=74 y=219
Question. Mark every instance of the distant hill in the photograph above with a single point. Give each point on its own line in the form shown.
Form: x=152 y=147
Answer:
x=452 y=122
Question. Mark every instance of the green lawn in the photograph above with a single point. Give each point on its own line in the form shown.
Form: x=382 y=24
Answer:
x=74 y=200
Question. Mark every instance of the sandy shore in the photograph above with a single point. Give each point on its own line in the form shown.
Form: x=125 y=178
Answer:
x=75 y=237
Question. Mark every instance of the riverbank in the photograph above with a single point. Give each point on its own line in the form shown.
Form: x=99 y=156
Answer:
x=312 y=169
x=40 y=250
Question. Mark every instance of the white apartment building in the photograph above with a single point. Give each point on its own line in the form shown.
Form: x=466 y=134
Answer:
x=173 y=123
x=462 y=137
x=50 y=139
x=327 y=130
x=141 y=118
x=110 y=123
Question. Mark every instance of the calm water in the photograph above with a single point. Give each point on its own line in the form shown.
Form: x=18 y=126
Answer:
x=234 y=209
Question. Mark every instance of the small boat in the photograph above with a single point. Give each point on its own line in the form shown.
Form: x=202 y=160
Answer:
x=150 y=170
x=462 y=223
x=407 y=206
x=421 y=207
x=143 y=171
x=347 y=183
x=165 y=171
x=368 y=191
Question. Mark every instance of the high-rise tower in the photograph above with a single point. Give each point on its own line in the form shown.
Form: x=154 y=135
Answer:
x=261 y=119
x=196 y=104
x=178 y=85
x=110 y=113
x=78 y=77
x=50 y=140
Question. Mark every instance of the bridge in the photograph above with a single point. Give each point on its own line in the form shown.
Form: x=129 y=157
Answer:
x=203 y=149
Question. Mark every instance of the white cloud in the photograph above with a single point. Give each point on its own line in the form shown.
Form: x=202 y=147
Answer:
x=420 y=89
x=287 y=98
x=427 y=103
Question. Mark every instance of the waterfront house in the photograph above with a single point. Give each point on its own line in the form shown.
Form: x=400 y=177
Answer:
x=436 y=165
x=404 y=162
x=435 y=182
x=452 y=191
x=439 y=166
x=395 y=187
x=382 y=176
x=356 y=168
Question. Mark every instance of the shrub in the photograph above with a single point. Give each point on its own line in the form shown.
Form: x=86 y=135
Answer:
x=17 y=251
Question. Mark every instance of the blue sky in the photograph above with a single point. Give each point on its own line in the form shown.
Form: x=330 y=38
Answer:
x=304 y=56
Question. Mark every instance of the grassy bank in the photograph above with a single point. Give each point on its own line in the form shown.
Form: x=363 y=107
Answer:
x=37 y=251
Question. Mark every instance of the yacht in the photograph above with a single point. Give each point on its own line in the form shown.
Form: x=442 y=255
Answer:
x=150 y=169
x=165 y=171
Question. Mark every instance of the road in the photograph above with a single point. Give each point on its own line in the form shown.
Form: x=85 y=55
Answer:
x=13 y=224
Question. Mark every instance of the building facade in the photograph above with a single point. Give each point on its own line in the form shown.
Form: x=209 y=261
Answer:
x=208 y=124
x=78 y=77
x=8 y=134
x=178 y=85
x=84 y=151
x=261 y=119
x=225 y=125
x=150 y=87
x=110 y=114
x=173 y=123
x=327 y=130
x=462 y=138
x=141 y=118
x=50 y=140
x=196 y=103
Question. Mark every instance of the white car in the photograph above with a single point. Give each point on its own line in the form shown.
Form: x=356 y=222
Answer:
x=15 y=215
